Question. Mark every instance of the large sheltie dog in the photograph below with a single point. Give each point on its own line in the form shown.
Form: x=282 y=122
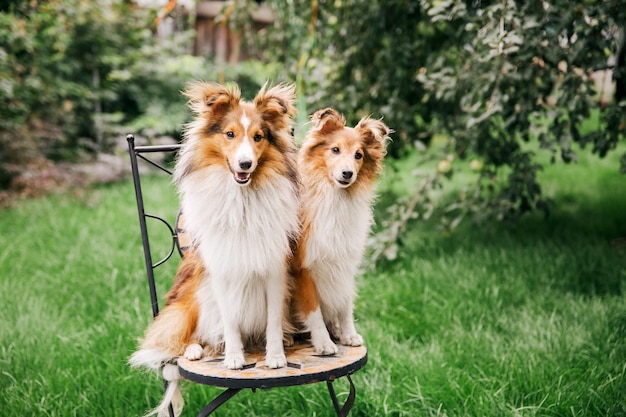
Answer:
x=338 y=166
x=239 y=194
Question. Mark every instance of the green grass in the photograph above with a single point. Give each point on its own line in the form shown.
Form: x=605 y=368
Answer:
x=487 y=321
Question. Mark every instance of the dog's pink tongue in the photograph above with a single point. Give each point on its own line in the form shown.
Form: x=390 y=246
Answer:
x=242 y=176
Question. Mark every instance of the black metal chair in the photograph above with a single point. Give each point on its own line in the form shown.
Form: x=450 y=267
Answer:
x=304 y=366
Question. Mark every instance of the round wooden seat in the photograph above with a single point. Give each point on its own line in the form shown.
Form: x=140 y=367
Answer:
x=304 y=366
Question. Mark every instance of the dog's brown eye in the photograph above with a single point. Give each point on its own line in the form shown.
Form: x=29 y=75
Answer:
x=335 y=150
x=358 y=155
x=230 y=134
x=257 y=138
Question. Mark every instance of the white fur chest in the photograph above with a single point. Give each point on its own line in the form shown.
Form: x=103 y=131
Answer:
x=340 y=224
x=240 y=230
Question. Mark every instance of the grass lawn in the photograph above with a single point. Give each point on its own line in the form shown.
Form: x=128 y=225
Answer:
x=487 y=321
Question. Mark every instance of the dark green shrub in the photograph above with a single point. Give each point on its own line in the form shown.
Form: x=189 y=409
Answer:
x=75 y=73
x=55 y=61
x=497 y=80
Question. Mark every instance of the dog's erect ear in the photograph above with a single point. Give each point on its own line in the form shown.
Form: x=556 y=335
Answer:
x=276 y=102
x=373 y=129
x=375 y=134
x=327 y=120
x=211 y=99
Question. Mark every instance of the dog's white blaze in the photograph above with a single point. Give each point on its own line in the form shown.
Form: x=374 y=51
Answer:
x=245 y=122
x=245 y=152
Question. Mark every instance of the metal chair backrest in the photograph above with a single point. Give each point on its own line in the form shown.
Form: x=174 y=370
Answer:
x=177 y=233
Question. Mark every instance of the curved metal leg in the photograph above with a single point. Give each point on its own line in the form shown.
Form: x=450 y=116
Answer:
x=347 y=406
x=218 y=401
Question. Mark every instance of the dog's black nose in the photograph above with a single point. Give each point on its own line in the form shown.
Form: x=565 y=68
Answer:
x=346 y=174
x=245 y=164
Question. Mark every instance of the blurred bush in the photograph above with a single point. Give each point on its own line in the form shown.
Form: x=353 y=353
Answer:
x=76 y=73
x=485 y=77
x=54 y=64
x=483 y=84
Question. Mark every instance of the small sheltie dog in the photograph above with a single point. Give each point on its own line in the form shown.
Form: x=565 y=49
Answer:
x=237 y=181
x=338 y=166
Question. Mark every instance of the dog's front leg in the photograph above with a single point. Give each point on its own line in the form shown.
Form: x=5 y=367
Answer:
x=230 y=312
x=347 y=332
x=233 y=346
x=275 y=300
x=308 y=307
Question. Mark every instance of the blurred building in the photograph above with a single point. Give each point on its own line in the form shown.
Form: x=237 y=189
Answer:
x=214 y=36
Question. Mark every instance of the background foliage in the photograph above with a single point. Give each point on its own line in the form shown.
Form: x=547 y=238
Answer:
x=76 y=74
x=488 y=84
x=478 y=86
x=55 y=62
x=484 y=321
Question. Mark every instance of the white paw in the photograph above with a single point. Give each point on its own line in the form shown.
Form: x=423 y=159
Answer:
x=324 y=346
x=275 y=360
x=352 y=340
x=193 y=352
x=234 y=361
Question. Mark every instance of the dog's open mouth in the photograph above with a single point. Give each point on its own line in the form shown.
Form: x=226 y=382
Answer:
x=242 y=177
x=344 y=183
